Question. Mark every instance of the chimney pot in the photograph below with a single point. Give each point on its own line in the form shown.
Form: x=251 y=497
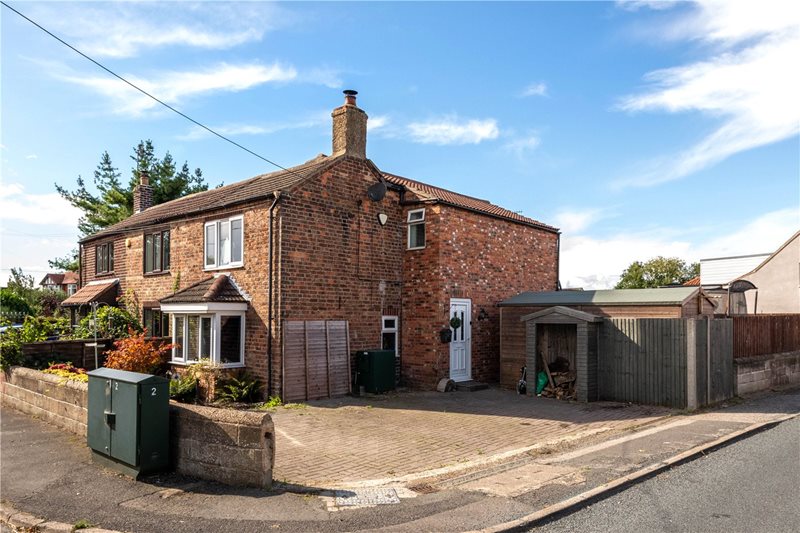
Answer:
x=350 y=97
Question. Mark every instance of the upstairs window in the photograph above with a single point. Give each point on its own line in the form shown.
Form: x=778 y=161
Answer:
x=104 y=258
x=72 y=288
x=156 y=252
x=224 y=243
x=416 y=229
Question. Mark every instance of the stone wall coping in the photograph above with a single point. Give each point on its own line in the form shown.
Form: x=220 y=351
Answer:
x=225 y=416
x=766 y=357
x=50 y=378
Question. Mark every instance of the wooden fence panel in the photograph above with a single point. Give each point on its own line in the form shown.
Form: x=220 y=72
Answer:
x=721 y=359
x=315 y=359
x=765 y=334
x=643 y=361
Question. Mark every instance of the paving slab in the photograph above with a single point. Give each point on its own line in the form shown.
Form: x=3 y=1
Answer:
x=392 y=438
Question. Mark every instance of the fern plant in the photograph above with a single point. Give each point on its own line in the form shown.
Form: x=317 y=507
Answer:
x=240 y=387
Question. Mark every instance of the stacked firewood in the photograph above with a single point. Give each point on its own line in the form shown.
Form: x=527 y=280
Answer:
x=560 y=380
x=562 y=388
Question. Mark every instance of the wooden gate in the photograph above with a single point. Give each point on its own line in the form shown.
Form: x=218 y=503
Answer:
x=316 y=359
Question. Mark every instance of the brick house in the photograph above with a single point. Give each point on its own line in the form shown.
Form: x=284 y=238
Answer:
x=332 y=240
x=66 y=282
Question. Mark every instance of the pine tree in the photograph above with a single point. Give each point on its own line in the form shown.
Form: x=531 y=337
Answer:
x=114 y=202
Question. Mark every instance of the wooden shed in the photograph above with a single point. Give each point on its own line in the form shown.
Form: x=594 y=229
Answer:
x=563 y=333
x=671 y=302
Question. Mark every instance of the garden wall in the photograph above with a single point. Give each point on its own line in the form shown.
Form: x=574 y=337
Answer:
x=232 y=447
x=766 y=371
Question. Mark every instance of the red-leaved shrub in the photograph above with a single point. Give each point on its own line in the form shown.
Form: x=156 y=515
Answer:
x=138 y=353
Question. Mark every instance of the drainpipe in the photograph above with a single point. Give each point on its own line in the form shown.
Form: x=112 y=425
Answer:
x=277 y=197
x=558 y=261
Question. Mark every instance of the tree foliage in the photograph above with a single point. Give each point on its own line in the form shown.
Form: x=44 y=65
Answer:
x=657 y=272
x=113 y=201
x=22 y=297
x=68 y=263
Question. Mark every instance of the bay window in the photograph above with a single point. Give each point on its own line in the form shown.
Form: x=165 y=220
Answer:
x=215 y=336
x=224 y=243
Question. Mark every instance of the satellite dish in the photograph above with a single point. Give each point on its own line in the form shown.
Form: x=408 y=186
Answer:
x=377 y=192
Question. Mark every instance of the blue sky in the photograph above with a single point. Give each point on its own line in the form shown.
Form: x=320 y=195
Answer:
x=639 y=128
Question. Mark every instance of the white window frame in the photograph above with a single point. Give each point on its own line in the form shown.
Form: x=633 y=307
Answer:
x=215 y=224
x=416 y=222
x=395 y=330
x=72 y=288
x=179 y=315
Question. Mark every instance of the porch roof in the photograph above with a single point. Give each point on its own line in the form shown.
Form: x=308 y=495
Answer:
x=93 y=292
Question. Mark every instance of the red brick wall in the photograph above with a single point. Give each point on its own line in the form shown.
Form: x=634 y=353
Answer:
x=333 y=260
x=468 y=255
x=186 y=268
x=336 y=261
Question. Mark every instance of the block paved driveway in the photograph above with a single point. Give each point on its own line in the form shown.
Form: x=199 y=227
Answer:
x=349 y=440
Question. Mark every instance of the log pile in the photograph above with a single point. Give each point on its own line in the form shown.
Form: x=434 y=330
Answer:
x=562 y=388
x=560 y=381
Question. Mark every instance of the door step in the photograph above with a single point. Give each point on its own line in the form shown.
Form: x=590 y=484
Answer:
x=470 y=386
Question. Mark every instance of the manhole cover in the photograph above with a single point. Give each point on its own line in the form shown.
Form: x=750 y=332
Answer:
x=366 y=497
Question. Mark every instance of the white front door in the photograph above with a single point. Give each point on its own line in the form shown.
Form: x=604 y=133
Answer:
x=461 y=345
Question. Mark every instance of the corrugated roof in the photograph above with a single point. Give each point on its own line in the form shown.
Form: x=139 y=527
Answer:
x=219 y=289
x=261 y=186
x=431 y=192
x=90 y=293
x=665 y=296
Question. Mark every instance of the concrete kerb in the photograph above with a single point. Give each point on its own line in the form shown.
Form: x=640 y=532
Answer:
x=583 y=499
x=20 y=520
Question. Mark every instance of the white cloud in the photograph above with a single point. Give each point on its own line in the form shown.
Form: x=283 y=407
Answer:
x=535 y=89
x=175 y=87
x=522 y=145
x=50 y=208
x=31 y=156
x=452 y=130
x=571 y=221
x=751 y=83
x=127 y=29
x=377 y=122
x=233 y=130
x=636 y=5
x=596 y=262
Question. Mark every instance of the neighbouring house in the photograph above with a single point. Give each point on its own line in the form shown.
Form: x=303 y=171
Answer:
x=716 y=275
x=66 y=282
x=287 y=273
x=560 y=333
x=774 y=285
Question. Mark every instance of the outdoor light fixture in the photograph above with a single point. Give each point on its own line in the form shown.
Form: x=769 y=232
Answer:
x=483 y=315
x=382 y=218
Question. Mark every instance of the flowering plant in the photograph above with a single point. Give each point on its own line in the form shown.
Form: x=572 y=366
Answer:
x=67 y=371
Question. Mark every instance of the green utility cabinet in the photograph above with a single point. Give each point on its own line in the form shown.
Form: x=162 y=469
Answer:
x=376 y=370
x=128 y=425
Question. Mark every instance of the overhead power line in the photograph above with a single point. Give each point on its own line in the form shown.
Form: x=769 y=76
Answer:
x=184 y=115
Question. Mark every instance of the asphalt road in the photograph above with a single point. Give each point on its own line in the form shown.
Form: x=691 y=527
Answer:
x=751 y=485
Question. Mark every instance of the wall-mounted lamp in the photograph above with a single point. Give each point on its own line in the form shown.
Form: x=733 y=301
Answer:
x=482 y=314
x=382 y=218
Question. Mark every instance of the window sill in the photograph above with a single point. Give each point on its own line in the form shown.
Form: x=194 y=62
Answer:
x=226 y=365
x=417 y=248
x=234 y=266
x=103 y=274
x=156 y=274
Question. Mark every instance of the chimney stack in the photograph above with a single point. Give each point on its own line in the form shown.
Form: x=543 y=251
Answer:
x=142 y=193
x=350 y=128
